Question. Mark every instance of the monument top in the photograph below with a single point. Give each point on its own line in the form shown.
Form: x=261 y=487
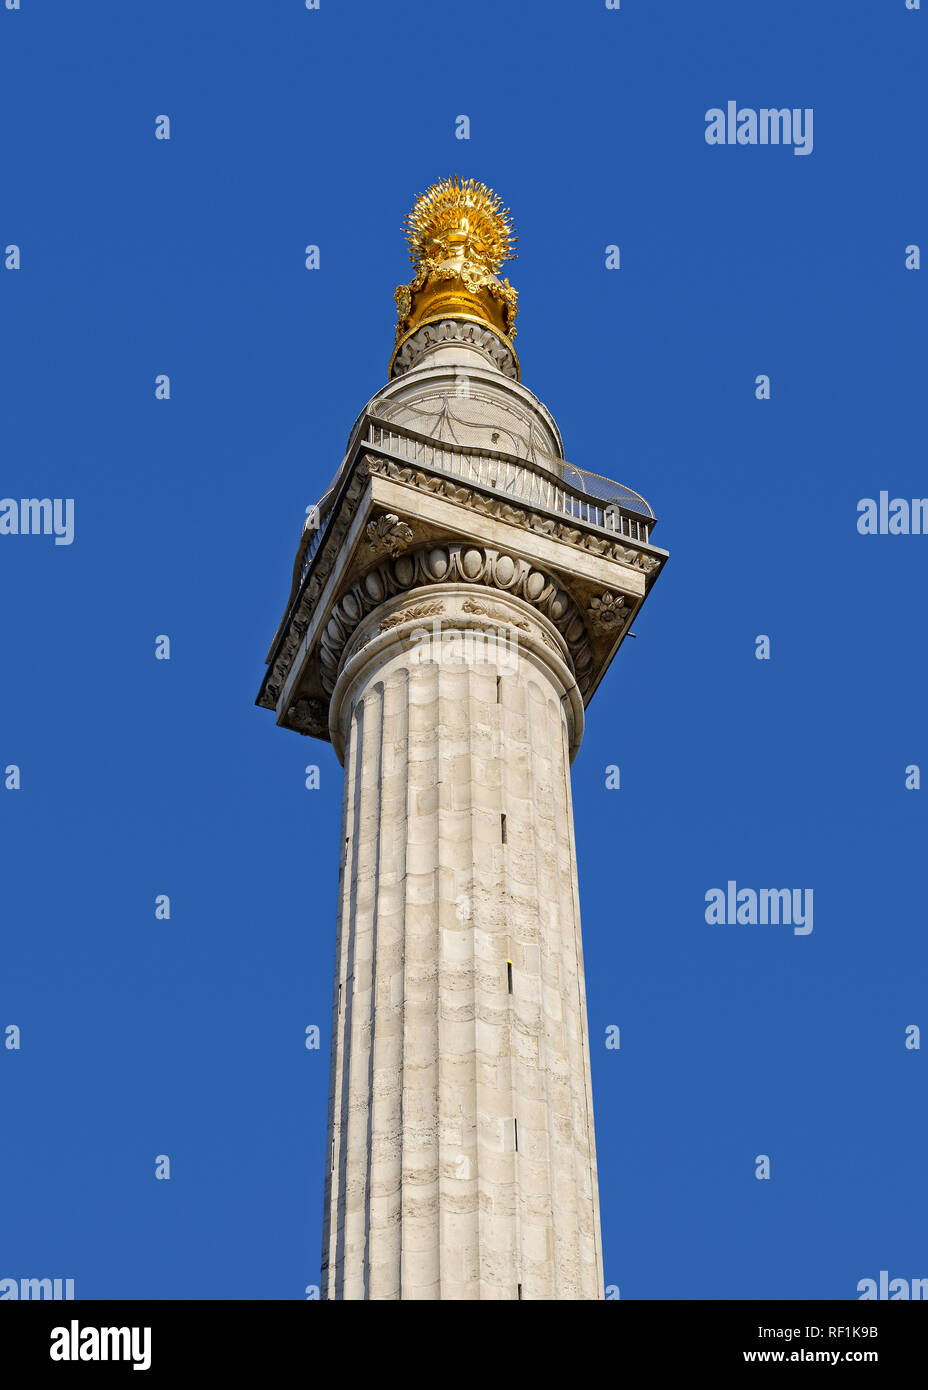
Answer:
x=459 y=235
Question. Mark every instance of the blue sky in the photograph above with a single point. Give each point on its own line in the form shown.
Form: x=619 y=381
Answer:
x=142 y=777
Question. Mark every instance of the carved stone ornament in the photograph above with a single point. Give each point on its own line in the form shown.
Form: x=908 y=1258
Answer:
x=455 y=331
x=407 y=615
x=496 y=613
x=607 y=612
x=310 y=717
x=388 y=535
x=460 y=562
x=455 y=490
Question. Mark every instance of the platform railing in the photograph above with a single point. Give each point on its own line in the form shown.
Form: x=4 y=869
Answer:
x=561 y=488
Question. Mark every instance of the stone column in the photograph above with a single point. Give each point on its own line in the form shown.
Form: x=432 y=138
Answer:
x=461 y=1159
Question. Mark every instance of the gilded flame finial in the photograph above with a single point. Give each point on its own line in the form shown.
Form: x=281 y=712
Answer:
x=459 y=235
x=460 y=217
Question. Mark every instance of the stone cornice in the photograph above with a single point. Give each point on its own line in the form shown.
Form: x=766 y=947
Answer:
x=481 y=500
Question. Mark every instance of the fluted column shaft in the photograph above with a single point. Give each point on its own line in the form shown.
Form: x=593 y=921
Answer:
x=461 y=1158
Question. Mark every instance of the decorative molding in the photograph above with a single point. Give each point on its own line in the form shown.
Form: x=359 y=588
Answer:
x=432 y=335
x=457 y=491
x=496 y=613
x=408 y=615
x=297 y=622
x=459 y=562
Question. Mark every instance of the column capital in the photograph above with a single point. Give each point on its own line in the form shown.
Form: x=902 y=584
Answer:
x=457 y=624
x=407 y=513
